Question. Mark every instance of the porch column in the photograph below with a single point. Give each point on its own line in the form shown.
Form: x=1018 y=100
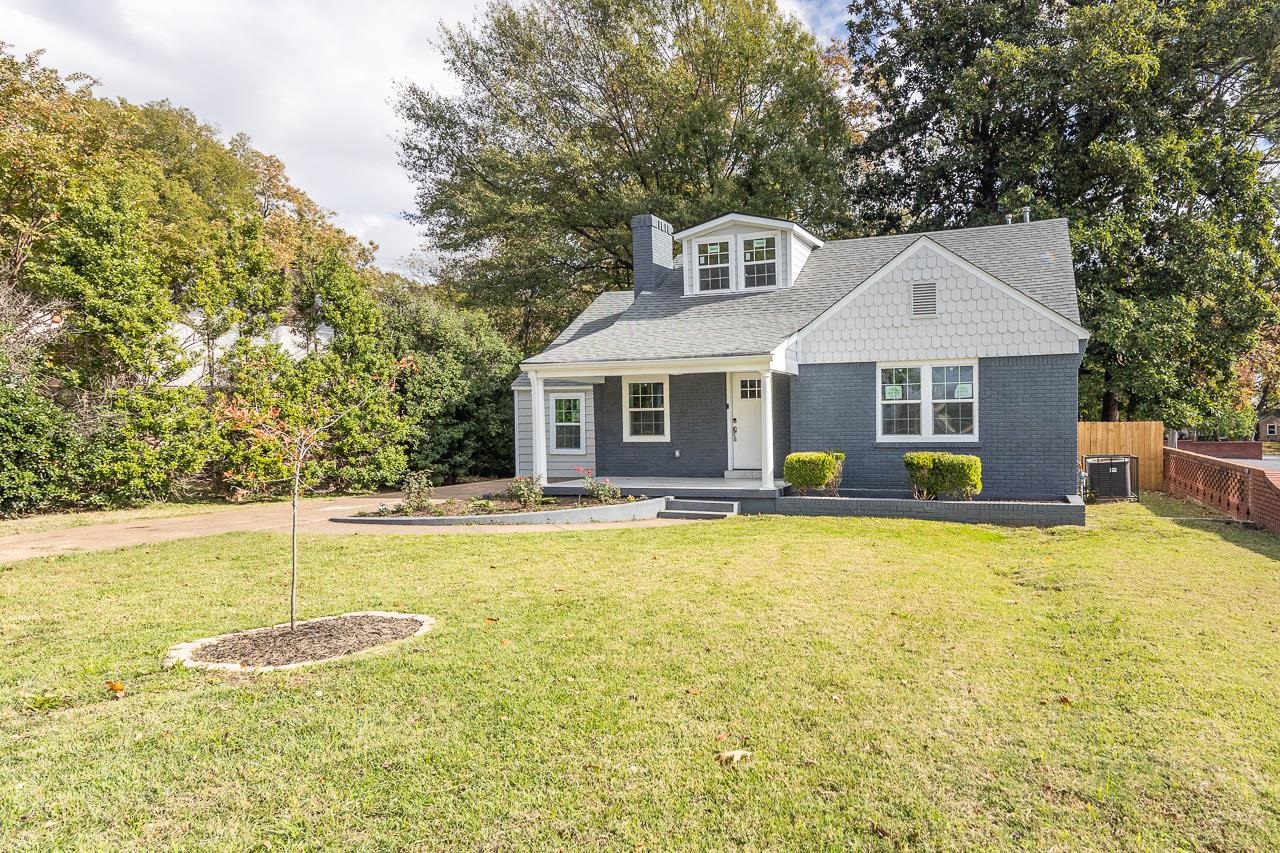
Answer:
x=539 y=409
x=766 y=433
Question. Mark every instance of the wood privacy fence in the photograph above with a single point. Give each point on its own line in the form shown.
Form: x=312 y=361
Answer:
x=1143 y=439
x=1249 y=494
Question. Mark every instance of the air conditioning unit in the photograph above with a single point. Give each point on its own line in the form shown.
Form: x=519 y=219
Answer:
x=1112 y=478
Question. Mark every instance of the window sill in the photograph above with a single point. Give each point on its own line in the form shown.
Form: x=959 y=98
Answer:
x=555 y=452
x=925 y=444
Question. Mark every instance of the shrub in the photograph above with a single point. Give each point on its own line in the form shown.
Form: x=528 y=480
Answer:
x=417 y=491
x=811 y=470
x=526 y=491
x=933 y=474
x=599 y=490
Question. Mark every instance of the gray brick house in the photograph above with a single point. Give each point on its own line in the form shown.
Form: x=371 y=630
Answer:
x=747 y=338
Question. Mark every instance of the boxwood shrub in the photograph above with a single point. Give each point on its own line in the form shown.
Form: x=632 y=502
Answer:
x=810 y=470
x=933 y=474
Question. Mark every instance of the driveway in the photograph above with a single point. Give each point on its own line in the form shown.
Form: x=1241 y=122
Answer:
x=313 y=517
x=1268 y=463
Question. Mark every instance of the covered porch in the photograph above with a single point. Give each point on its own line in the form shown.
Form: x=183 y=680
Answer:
x=702 y=427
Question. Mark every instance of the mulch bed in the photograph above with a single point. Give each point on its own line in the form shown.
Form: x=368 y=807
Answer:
x=310 y=641
x=497 y=506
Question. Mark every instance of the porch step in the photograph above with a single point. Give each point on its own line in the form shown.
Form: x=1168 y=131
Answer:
x=704 y=510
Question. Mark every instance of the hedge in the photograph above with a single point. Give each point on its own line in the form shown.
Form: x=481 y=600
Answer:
x=933 y=474
x=811 y=470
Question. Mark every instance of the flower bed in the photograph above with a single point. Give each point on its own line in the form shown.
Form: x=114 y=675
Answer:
x=489 y=505
x=562 y=511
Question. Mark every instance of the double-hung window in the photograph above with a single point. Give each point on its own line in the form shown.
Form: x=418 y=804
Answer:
x=714 y=265
x=646 y=409
x=566 y=423
x=760 y=262
x=919 y=402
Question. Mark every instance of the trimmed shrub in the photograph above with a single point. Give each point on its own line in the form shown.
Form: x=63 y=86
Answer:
x=810 y=470
x=933 y=474
x=833 y=485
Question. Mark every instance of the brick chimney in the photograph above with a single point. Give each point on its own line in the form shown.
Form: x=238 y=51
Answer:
x=650 y=251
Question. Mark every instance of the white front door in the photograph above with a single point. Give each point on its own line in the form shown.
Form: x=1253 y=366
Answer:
x=744 y=421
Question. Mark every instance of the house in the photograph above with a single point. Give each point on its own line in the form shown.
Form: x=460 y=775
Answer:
x=758 y=339
x=1269 y=427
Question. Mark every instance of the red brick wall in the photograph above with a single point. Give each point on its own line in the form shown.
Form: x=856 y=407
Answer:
x=1249 y=494
x=1224 y=449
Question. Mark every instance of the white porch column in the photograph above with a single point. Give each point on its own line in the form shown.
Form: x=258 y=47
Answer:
x=766 y=433
x=539 y=409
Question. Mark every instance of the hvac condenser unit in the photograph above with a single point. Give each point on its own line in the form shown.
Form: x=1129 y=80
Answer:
x=1112 y=478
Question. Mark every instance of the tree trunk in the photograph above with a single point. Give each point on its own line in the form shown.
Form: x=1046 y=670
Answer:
x=293 y=573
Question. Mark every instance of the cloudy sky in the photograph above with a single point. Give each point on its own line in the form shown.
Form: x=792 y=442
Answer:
x=310 y=80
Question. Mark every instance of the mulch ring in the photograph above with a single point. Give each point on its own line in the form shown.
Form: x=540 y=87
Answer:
x=312 y=641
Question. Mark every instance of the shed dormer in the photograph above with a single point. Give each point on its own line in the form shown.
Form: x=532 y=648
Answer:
x=740 y=253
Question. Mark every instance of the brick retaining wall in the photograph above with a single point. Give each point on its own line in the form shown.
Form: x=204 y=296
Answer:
x=1249 y=494
x=1224 y=449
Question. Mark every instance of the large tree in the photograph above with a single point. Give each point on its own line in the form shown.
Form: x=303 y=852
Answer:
x=1147 y=123
x=571 y=116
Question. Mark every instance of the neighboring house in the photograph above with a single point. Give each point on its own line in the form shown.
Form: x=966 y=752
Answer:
x=1269 y=427
x=759 y=339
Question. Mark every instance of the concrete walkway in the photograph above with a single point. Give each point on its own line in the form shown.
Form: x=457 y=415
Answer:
x=313 y=517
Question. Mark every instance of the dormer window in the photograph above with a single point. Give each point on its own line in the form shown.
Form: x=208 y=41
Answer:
x=713 y=265
x=760 y=262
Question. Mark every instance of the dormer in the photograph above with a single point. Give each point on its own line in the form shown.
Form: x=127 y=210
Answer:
x=741 y=253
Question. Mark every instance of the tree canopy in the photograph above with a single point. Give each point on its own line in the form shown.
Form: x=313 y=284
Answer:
x=1149 y=124
x=571 y=117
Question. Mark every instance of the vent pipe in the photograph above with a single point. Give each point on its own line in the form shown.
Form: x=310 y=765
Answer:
x=1008 y=219
x=1026 y=214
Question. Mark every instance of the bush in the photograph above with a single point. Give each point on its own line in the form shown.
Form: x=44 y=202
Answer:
x=811 y=470
x=526 y=491
x=933 y=474
x=417 y=491
x=599 y=490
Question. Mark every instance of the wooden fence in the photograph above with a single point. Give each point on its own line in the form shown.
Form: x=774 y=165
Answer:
x=1143 y=439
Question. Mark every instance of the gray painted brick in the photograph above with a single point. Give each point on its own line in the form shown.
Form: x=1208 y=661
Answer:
x=698 y=430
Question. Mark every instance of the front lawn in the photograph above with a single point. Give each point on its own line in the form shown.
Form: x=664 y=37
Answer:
x=900 y=684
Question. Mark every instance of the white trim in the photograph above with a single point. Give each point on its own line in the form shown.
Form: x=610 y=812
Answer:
x=748 y=219
x=627 y=410
x=730 y=241
x=778 y=277
x=766 y=433
x=515 y=424
x=558 y=394
x=538 y=411
x=1271 y=429
x=641 y=367
x=728 y=420
x=977 y=272
x=927 y=435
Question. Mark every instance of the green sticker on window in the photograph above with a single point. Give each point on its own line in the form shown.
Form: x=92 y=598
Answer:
x=964 y=390
x=893 y=392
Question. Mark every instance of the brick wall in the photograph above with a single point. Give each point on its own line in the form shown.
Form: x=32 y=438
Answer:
x=698 y=431
x=1249 y=494
x=1224 y=449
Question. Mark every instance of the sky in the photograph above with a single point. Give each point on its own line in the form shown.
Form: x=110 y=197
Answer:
x=311 y=81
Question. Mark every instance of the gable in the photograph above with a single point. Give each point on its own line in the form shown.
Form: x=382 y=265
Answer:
x=977 y=316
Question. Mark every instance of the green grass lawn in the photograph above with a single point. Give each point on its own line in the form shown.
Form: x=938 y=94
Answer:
x=901 y=685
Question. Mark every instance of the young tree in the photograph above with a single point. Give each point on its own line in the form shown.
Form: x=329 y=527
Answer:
x=1148 y=124
x=574 y=116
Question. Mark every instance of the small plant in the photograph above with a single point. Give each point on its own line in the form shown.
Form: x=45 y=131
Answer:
x=601 y=491
x=934 y=474
x=482 y=504
x=809 y=471
x=418 y=488
x=526 y=491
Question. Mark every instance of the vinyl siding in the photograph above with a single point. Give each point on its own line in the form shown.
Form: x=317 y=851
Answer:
x=559 y=465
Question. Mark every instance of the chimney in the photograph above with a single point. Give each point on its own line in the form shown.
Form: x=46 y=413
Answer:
x=1026 y=214
x=650 y=251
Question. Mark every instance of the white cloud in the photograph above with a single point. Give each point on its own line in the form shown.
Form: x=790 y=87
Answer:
x=310 y=80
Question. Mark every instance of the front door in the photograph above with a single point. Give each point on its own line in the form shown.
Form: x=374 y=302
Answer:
x=745 y=421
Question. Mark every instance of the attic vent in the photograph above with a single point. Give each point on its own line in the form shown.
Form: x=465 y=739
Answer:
x=924 y=298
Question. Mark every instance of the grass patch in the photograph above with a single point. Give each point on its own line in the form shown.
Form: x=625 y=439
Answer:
x=900 y=683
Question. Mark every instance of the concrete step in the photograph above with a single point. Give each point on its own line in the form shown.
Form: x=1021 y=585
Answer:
x=723 y=507
x=693 y=514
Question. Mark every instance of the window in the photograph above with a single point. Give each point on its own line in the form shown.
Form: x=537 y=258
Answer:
x=1271 y=429
x=928 y=401
x=924 y=299
x=645 y=409
x=713 y=265
x=760 y=262
x=749 y=389
x=566 y=423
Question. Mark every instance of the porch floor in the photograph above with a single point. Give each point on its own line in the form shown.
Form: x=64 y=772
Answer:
x=678 y=487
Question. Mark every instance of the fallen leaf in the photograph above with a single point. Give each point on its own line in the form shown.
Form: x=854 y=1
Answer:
x=491 y=618
x=506 y=642
x=1063 y=700
x=723 y=736
x=116 y=688
x=733 y=756
x=809 y=762
x=693 y=691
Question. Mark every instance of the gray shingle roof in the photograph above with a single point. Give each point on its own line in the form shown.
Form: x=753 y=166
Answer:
x=1033 y=257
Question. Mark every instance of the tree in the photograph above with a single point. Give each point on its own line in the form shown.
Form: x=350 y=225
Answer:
x=1148 y=124
x=458 y=401
x=574 y=116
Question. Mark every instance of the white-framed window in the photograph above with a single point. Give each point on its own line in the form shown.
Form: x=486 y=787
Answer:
x=646 y=409
x=1271 y=429
x=567 y=435
x=714 y=265
x=934 y=401
x=749 y=389
x=759 y=261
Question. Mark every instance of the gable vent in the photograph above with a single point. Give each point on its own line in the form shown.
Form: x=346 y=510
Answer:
x=924 y=298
